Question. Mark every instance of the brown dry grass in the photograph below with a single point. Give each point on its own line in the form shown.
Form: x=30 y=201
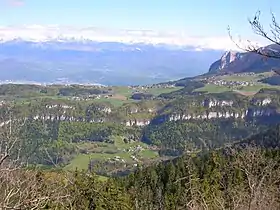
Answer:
x=119 y=97
x=247 y=93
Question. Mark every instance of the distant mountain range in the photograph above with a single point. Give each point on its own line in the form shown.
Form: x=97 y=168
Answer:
x=70 y=60
x=236 y=62
x=108 y=63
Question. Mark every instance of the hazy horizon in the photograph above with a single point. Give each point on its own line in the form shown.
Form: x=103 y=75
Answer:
x=171 y=22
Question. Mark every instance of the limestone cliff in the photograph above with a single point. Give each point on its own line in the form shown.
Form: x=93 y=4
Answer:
x=224 y=61
x=235 y=62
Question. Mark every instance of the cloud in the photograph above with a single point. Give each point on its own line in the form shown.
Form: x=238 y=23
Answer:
x=15 y=3
x=39 y=33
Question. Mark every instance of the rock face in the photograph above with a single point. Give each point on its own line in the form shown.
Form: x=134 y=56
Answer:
x=206 y=109
x=214 y=109
x=137 y=122
x=249 y=113
x=229 y=57
x=214 y=103
x=235 y=62
x=225 y=61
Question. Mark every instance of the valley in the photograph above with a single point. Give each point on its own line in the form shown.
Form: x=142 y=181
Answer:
x=147 y=137
x=68 y=61
x=144 y=105
x=113 y=130
x=116 y=139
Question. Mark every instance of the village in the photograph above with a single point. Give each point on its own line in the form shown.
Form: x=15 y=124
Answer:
x=228 y=82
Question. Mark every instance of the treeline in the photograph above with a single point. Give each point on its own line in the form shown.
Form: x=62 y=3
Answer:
x=53 y=143
x=269 y=138
x=249 y=179
x=234 y=177
x=33 y=189
x=56 y=139
x=177 y=137
x=245 y=179
x=28 y=90
x=98 y=132
x=80 y=91
x=188 y=89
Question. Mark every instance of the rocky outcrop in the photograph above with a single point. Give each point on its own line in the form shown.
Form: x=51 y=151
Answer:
x=137 y=122
x=107 y=110
x=53 y=106
x=249 y=113
x=261 y=102
x=216 y=103
x=214 y=108
x=225 y=61
x=207 y=109
x=228 y=58
x=235 y=62
x=260 y=111
x=208 y=115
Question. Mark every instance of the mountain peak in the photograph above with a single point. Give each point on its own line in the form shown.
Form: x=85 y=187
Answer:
x=227 y=58
x=236 y=62
x=40 y=33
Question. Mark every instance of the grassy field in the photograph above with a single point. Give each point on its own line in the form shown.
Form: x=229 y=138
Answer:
x=122 y=94
x=127 y=92
x=245 y=78
x=254 y=88
x=114 y=101
x=105 y=151
x=122 y=90
x=211 y=88
x=158 y=91
x=246 y=93
x=235 y=78
x=244 y=90
x=119 y=95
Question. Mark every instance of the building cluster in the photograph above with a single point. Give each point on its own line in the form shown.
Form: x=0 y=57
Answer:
x=147 y=87
x=90 y=97
x=231 y=83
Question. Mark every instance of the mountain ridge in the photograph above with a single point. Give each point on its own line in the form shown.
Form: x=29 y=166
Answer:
x=108 y=63
x=238 y=62
x=39 y=33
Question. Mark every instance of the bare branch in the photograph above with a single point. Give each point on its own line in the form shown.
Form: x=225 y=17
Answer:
x=272 y=35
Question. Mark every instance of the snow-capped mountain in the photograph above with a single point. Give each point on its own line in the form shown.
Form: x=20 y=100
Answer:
x=53 y=33
x=108 y=63
x=109 y=57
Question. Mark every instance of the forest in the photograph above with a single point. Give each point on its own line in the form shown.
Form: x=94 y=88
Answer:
x=209 y=151
x=232 y=177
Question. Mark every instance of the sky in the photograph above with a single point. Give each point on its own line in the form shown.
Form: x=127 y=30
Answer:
x=193 y=18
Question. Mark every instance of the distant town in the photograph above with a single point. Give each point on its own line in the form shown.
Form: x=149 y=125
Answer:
x=219 y=81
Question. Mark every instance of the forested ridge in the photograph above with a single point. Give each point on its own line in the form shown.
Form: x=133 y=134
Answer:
x=56 y=127
x=228 y=178
x=181 y=151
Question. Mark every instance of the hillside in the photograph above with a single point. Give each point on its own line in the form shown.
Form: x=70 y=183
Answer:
x=244 y=179
x=240 y=179
x=90 y=125
x=236 y=62
x=268 y=139
x=201 y=142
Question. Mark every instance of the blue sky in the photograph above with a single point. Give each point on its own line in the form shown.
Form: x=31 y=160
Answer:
x=198 y=17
